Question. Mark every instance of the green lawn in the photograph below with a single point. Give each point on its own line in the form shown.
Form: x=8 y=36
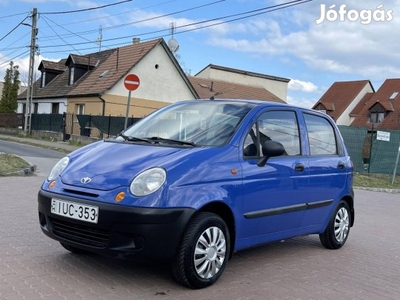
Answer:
x=10 y=164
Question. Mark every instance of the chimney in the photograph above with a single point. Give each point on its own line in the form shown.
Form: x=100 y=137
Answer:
x=136 y=40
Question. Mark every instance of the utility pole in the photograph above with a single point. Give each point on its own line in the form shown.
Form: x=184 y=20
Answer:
x=29 y=91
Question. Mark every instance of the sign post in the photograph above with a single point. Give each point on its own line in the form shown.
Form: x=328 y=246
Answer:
x=131 y=83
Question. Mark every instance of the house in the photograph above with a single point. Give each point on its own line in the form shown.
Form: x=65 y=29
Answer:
x=241 y=82
x=94 y=83
x=218 y=89
x=356 y=103
x=380 y=109
x=341 y=99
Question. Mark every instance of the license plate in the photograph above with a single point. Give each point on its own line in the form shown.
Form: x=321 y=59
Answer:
x=82 y=212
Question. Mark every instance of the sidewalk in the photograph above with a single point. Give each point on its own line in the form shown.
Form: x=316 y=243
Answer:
x=53 y=145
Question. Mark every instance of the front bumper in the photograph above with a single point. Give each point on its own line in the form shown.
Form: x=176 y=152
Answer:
x=121 y=231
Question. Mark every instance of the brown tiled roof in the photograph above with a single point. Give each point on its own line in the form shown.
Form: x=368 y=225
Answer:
x=392 y=120
x=110 y=66
x=339 y=96
x=84 y=60
x=359 y=107
x=207 y=88
x=53 y=65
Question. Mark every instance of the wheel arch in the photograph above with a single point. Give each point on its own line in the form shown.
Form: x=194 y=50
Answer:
x=223 y=211
x=350 y=201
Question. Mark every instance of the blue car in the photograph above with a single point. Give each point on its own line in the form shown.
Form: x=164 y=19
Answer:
x=198 y=180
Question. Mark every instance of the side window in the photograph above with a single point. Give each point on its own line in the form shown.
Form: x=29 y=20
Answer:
x=321 y=135
x=280 y=126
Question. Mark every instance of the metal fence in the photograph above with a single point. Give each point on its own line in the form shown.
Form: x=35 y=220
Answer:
x=369 y=152
x=12 y=120
x=84 y=125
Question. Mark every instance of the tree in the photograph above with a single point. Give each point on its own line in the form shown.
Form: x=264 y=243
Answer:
x=8 y=101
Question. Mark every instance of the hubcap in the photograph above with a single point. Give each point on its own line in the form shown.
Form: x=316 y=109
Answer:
x=341 y=225
x=210 y=252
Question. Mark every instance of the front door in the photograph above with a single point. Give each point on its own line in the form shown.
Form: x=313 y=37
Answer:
x=274 y=195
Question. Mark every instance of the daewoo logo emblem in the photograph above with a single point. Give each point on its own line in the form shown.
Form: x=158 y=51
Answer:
x=85 y=180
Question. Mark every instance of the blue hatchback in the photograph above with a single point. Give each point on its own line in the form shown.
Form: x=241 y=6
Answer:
x=198 y=180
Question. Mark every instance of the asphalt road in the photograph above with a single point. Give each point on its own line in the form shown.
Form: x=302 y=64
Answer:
x=32 y=266
x=43 y=158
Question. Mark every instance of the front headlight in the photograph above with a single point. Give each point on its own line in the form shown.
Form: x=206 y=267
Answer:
x=58 y=168
x=148 y=182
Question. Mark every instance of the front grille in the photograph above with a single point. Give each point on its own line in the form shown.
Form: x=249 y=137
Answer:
x=80 y=193
x=80 y=234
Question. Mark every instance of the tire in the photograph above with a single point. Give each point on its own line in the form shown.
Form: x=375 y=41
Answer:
x=74 y=249
x=338 y=229
x=203 y=252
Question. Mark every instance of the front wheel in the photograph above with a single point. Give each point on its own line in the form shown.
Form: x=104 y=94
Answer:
x=203 y=252
x=337 y=231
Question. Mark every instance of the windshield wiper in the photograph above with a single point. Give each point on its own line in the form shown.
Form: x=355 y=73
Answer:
x=133 y=138
x=158 y=139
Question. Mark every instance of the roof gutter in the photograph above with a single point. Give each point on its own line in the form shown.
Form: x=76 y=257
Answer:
x=104 y=104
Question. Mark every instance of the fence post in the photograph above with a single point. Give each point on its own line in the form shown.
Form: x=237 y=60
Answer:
x=109 y=125
x=370 y=147
x=72 y=123
x=395 y=166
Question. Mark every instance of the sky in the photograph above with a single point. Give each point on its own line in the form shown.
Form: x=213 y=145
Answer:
x=313 y=43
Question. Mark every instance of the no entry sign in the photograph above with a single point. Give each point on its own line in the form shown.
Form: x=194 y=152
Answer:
x=131 y=82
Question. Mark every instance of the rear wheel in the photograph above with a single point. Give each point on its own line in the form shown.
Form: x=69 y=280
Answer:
x=203 y=253
x=337 y=231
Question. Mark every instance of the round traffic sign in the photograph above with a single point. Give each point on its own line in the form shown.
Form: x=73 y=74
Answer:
x=131 y=82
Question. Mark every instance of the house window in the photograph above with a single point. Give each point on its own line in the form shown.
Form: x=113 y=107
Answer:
x=71 y=75
x=43 y=81
x=55 y=108
x=80 y=109
x=376 y=117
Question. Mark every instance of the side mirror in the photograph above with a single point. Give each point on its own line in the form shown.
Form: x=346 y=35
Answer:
x=270 y=149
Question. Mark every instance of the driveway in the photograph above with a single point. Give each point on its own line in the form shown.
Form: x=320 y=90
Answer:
x=33 y=266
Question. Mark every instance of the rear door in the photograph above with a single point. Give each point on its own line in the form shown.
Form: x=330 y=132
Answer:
x=327 y=168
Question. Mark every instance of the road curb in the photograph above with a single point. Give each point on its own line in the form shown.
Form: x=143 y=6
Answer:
x=27 y=171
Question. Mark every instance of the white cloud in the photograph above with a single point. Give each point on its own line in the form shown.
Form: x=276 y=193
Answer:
x=341 y=47
x=303 y=86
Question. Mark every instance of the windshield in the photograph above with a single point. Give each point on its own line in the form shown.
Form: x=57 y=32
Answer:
x=199 y=123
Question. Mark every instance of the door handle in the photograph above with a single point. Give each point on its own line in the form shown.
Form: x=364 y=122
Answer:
x=299 y=167
x=340 y=165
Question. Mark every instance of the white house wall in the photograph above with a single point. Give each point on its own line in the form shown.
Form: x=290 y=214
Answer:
x=159 y=79
x=45 y=106
x=278 y=88
x=345 y=118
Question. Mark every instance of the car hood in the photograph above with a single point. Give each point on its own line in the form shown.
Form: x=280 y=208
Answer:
x=109 y=165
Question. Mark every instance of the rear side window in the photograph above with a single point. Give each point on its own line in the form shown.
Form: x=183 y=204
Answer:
x=321 y=135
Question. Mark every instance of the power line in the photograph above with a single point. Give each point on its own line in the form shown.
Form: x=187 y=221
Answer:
x=152 y=18
x=239 y=16
x=122 y=13
x=85 y=9
x=72 y=46
x=13 y=29
x=14 y=15
x=2 y=64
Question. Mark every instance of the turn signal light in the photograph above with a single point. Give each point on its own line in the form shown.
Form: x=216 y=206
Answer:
x=119 y=197
x=52 y=184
